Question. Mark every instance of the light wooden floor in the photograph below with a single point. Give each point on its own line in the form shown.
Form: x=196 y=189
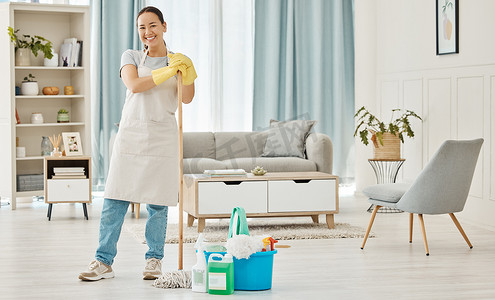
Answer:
x=41 y=259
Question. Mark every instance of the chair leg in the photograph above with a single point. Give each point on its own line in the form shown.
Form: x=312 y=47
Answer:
x=458 y=225
x=411 y=217
x=377 y=207
x=420 y=216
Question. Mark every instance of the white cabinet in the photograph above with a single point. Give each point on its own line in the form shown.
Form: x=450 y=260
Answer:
x=56 y=23
x=67 y=190
x=285 y=194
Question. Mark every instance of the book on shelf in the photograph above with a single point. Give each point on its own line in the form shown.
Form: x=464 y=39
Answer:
x=68 y=169
x=70 y=173
x=69 y=177
x=70 y=53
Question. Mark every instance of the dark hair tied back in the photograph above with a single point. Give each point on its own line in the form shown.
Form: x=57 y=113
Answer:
x=151 y=9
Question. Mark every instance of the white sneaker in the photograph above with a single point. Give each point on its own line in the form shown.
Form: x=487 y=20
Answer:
x=153 y=269
x=96 y=271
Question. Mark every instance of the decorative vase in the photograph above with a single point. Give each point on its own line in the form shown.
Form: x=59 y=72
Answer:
x=56 y=152
x=52 y=62
x=46 y=146
x=37 y=118
x=390 y=148
x=29 y=88
x=23 y=57
x=63 y=117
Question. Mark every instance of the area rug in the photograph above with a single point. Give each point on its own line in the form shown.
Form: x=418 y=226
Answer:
x=217 y=230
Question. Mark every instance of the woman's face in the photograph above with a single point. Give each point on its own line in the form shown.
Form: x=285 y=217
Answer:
x=151 y=29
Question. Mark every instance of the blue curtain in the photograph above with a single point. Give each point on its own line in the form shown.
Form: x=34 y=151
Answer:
x=113 y=31
x=304 y=68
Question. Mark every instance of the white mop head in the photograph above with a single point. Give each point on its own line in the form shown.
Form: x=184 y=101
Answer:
x=242 y=246
x=174 y=280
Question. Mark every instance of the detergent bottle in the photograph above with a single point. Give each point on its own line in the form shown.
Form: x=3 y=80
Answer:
x=199 y=270
x=220 y=274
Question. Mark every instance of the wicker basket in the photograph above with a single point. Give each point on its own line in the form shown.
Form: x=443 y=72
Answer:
x=390 y=148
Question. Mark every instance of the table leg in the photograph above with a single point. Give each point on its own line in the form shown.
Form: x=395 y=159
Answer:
x=330 y=221
x=85 y=209
x=201 y=224
x=315 y=218
x=190 y=220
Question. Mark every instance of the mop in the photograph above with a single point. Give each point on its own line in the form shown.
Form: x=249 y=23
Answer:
x=179 y=278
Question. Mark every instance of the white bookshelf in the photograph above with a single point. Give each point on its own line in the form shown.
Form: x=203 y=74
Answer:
x=54 y=22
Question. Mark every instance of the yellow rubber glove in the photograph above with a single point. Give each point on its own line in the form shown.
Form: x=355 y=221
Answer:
x=161 y=75
x=185 y=65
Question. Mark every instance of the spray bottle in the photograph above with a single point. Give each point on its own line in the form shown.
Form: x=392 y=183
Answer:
x=199 y=271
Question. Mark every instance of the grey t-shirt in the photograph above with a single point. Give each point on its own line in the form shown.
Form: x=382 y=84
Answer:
x=133 y=57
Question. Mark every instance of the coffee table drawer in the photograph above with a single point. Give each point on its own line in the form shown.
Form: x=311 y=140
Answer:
x=221 y=197
x=302 y=195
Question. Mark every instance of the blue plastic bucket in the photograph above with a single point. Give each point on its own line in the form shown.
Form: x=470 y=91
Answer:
x=254 y=273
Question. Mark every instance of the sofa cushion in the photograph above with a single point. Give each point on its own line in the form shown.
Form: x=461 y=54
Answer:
x=272 y=164
x=239 y=144
x=199 y=144
x=388 y=192
x=199 y=165
x=287 y=138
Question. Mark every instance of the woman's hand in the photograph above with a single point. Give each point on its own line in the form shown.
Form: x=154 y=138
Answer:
x=185 y=65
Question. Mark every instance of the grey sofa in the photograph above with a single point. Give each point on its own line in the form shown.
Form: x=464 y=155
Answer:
x=243 y=150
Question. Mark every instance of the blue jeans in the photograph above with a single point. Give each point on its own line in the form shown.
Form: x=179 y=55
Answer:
x=112 y=218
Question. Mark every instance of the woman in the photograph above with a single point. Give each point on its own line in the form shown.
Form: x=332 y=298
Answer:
x=144 y=167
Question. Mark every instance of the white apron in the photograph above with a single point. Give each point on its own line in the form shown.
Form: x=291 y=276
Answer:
x=144 y=166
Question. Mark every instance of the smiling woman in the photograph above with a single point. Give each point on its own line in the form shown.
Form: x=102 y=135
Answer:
x=144 y=167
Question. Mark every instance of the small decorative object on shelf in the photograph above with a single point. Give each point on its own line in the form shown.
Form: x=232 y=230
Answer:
x=20 y=152
x=29 y=86
x=51 y=62
x=56 y=144
x=37 y=118
x=258 y=171
x=17 y=119
x=62 y=116
x=27 y=42
x=386 y=137
x=72 y=143
x=50 y=90
x=68 y=90
x=46 y=146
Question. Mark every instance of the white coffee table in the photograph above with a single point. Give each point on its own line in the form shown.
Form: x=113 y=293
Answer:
x=287 y=194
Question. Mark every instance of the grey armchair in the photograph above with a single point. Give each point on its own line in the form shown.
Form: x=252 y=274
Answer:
x=441 y=188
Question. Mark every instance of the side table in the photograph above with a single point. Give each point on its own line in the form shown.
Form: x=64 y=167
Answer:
x=386 y=171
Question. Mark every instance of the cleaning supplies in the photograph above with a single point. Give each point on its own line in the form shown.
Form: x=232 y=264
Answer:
x=220 y=274
x=199 y=271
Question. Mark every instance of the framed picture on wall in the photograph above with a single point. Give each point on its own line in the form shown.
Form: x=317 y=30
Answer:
x=447 y=26
x=72 y=143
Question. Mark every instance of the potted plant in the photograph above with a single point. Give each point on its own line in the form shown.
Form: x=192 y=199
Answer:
x=62 y=116
x=386 y=137
x=27 y=42
x=29 y=86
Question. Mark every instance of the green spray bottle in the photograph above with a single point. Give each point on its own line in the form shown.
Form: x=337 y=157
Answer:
x=220 y=274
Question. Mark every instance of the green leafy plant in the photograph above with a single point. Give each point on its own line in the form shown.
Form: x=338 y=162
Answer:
x=368 y=123
x=63 y=111
x=29 y=78
x=35 y=43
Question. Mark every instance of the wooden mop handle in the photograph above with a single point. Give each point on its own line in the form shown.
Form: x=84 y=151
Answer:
x=181 y=175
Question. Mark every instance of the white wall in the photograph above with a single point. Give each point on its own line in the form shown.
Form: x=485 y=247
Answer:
x=455 y=94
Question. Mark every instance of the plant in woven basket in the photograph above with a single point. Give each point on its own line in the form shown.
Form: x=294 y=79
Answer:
x=370 y=124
